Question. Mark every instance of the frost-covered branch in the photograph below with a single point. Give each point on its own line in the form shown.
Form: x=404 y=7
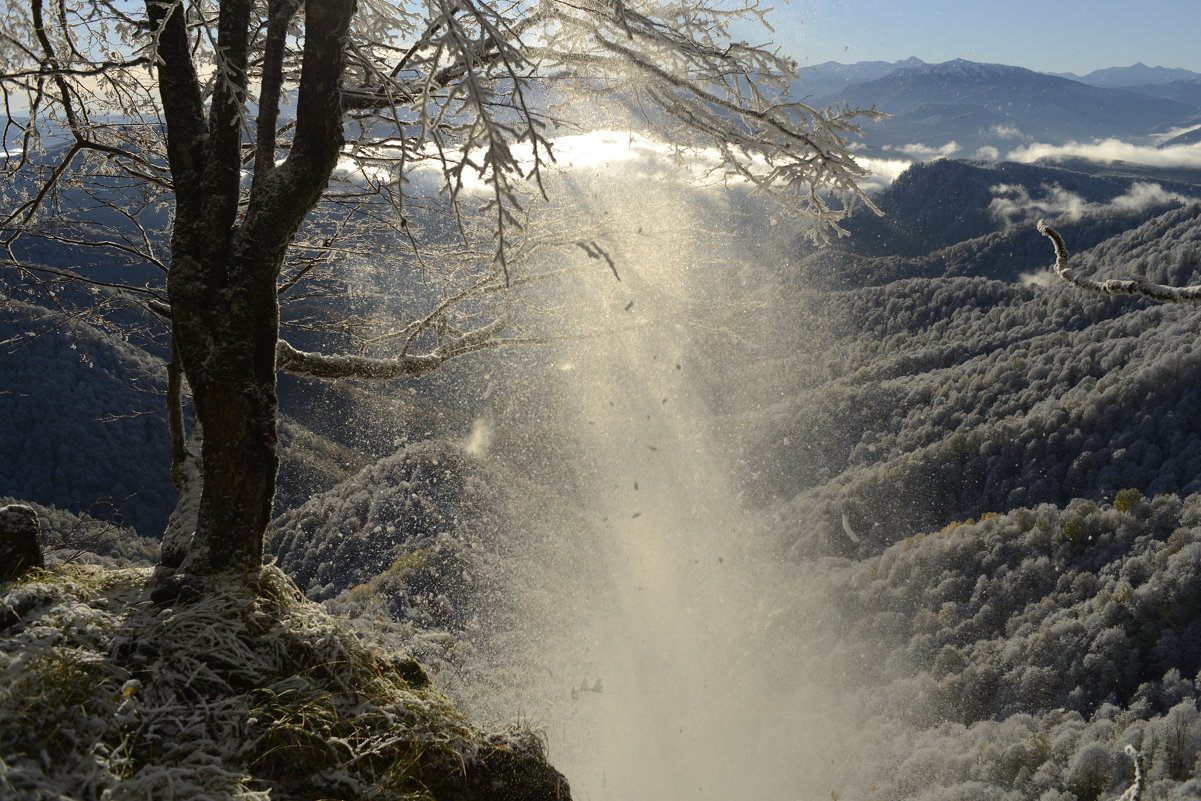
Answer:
x=71 y=276
x=1116 y=286
x=318 y=365
x=1135 y=791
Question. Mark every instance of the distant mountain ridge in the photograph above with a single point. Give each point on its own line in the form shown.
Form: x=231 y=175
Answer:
x=832 y=76
x=979 y=105
x=1135 y=75
x=941 y=203
x=1186 y=91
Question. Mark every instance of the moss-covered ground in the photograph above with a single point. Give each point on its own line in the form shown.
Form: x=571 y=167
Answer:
x=239 y=693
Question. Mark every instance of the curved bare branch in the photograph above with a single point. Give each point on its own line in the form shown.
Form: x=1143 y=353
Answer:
x=1139 y=287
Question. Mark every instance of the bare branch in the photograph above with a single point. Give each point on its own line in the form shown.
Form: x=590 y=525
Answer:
x=1115 y=286
x=316 y=365
x=44 y=269
x=280 y=14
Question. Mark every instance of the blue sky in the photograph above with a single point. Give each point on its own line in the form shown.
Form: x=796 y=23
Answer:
x=1051 y=36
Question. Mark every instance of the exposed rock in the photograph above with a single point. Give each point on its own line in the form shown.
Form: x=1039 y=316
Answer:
x=514 y=774
x=20 y=547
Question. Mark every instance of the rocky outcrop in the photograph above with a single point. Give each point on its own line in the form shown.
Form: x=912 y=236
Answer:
x=20 y=546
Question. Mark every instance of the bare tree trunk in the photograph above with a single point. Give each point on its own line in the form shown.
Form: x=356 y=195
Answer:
x=225 y=265
x=236 y=407
x=185 y=471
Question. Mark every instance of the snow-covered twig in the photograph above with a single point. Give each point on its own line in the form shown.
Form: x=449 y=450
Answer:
x=316 y=365
x=1135 y=791
x=1116 y=286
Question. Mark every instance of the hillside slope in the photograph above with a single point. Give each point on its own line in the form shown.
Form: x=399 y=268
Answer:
x=232 y=696
x=908 y=403
x=78 y=403
x=1012 y=658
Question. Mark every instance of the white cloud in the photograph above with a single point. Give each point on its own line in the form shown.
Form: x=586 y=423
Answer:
x=636 y=157
x=1005 y=132
x=1146 y=194
x=1159 y=139
x=1110 y=150
x=988 y=153
x=923 y=152
x=1038 y=278
x=646 y=158
x=606 y=147
x=1012 y=202
x=883 y=172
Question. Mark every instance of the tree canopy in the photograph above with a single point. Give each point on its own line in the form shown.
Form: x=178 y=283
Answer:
x=222 y=152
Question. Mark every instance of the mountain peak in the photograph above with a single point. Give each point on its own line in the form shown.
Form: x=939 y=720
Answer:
x=1136 y=75
x=971 y=69
x=832 y=76
x=968 y=105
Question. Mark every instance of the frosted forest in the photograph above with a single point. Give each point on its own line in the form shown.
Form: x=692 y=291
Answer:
x=632 y=442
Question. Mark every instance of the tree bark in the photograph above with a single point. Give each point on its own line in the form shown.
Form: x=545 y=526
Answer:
x=236 y=406
x=224 y=270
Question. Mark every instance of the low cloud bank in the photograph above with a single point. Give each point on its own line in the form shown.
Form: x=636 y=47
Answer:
x=922 y=151
x=1160 y=138
x=1107 y=151
x=636 y=156
x=1013 y=202
x=640 y=157
x=883 y=172
x=624 y=155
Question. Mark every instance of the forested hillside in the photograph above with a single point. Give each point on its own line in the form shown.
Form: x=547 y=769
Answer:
x=986 y=472
x=974 y=483
x=1004 y=471
x=944 y=398
x=82 y=423
x=1013 y=657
